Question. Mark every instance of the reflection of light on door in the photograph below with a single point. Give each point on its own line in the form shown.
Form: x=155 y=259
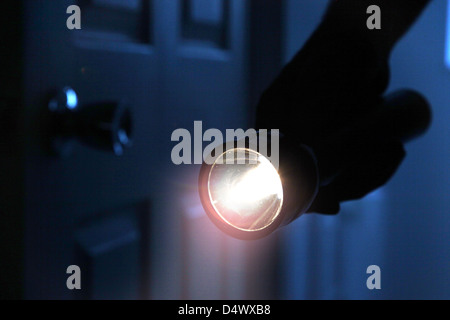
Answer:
x=217 y=266
x=447 y=44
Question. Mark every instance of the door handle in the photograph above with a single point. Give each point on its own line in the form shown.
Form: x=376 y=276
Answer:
x=104 y=126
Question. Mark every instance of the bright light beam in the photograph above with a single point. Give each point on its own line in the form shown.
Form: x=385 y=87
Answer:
x=249 y=195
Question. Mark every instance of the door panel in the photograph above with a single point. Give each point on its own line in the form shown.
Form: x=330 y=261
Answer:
x=109 y=253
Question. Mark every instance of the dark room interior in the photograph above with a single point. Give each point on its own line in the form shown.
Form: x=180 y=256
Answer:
x=93 y=93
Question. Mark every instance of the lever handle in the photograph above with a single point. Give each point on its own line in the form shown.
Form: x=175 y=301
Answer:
x=105 y=126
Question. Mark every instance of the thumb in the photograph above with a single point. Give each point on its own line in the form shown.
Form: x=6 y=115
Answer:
x=404 y=115
x=366 y=156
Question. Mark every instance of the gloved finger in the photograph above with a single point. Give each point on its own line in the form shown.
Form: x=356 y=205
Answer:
x=372 y=168
x=401 y=115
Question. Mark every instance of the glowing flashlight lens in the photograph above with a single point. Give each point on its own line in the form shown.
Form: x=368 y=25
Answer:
x=245 y=189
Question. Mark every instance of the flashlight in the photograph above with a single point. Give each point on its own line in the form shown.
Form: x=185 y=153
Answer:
x=245 y=195
x=248 y=196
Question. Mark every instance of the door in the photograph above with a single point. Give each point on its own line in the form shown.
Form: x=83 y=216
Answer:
x=90 y=208
x=132 y=221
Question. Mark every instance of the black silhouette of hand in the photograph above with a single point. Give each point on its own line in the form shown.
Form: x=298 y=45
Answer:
x=330 y=97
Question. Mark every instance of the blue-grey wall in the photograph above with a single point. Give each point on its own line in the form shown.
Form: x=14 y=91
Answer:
x=419 y=224
x=403 y=227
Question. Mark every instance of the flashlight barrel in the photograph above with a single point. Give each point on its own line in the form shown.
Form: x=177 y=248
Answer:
x=299 y=174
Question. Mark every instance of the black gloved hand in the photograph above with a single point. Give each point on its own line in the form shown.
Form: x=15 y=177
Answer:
x=330 y=97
